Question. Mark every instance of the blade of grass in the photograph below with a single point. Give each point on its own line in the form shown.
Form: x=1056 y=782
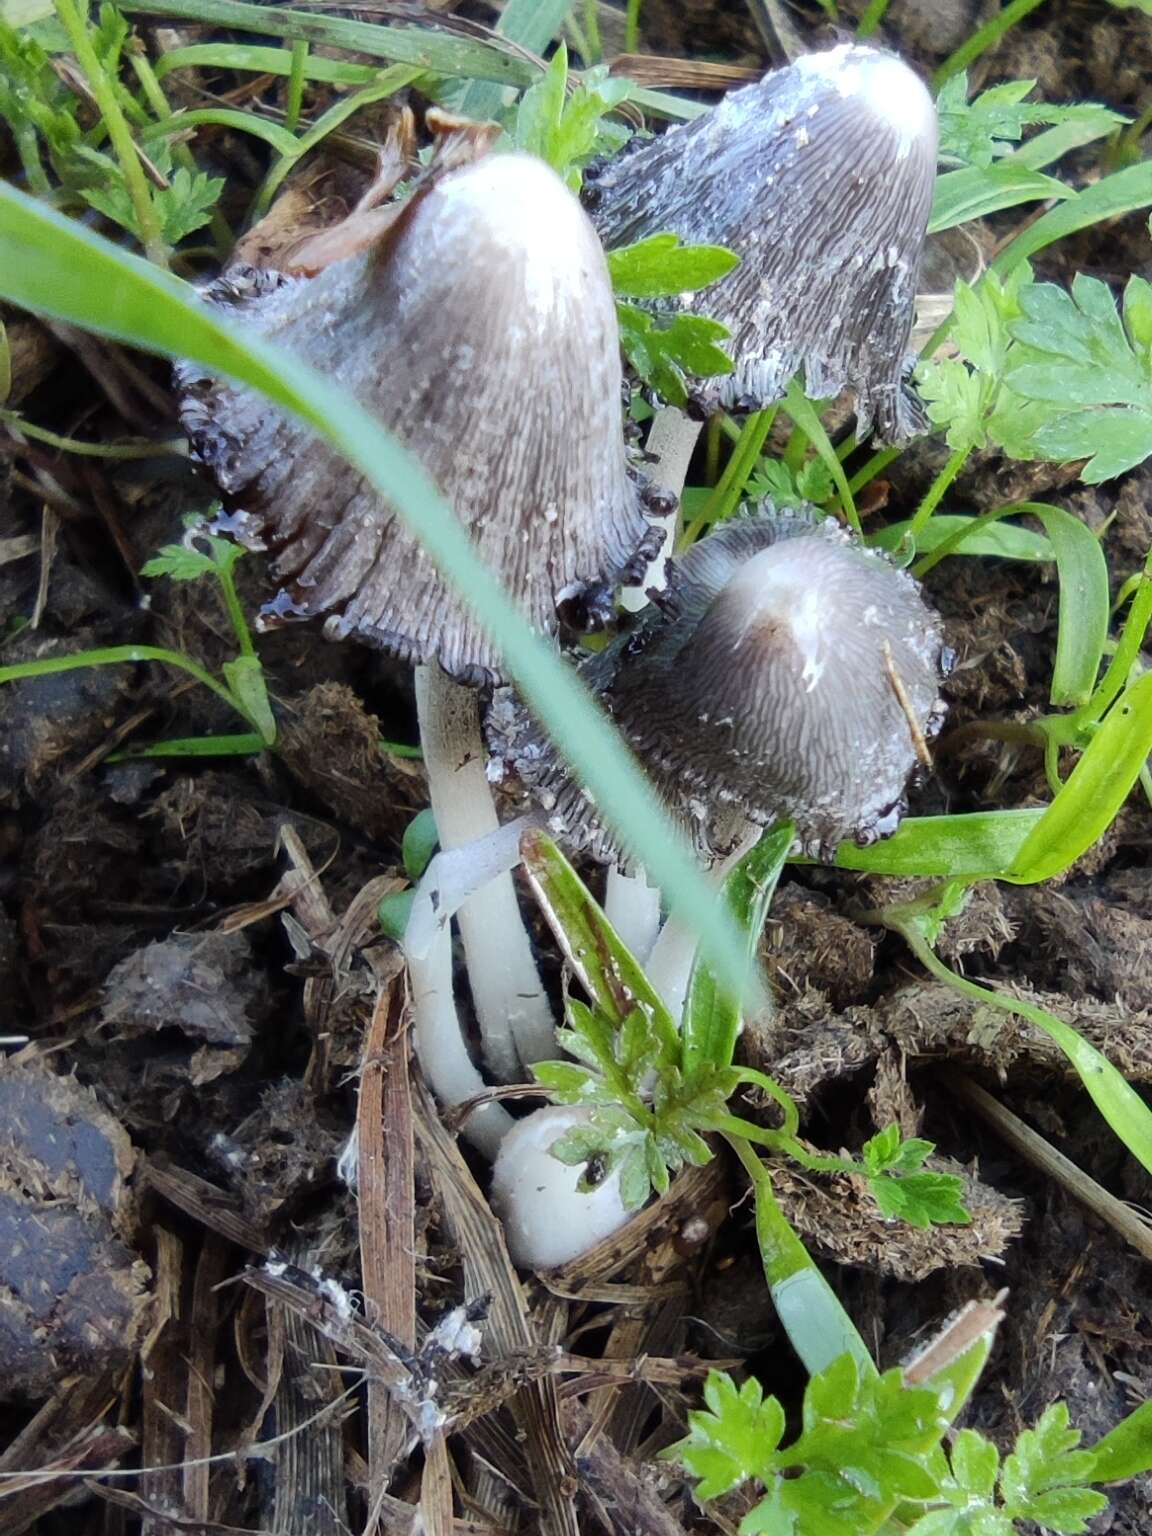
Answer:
x=976 y=191
x=1094 y=792
x=530 y=23
x=1084 y=603
x=817 y=1326
x=804 y=414
x=1119 y=1103
x=283 y=142
x=1123 y=192
x=712 y=1012
x=985 y=37
x=980 y=846
x=438 y=53
x=54 y=266
x=262 y=61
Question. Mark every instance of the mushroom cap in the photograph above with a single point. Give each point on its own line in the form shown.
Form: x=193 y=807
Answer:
x=820 y=178
x=791 y=674
x=481 y=331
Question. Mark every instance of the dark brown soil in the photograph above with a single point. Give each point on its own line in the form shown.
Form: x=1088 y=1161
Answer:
x=191 y=949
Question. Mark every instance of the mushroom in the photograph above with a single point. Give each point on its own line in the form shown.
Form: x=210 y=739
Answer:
x=480 y=328
x=788 y=674
x=820 y=178
x=548 y=1219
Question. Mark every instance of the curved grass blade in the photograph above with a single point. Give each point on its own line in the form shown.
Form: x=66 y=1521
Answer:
x=979 y=846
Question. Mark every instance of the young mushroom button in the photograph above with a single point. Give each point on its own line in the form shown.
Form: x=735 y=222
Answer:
x=820 y=178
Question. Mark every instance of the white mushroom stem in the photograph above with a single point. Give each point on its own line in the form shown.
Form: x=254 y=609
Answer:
x=671 y=443
x=673 y=955
x=515 y=1017
x=441 y=1048
x=631 y=905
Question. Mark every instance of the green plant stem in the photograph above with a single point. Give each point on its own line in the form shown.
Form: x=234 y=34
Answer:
x=983 y=38
x=116 y=655
x=294 y=95
x=235 y=610
x=595 y=47
x=739 y=467
x=937 y=489
x=872 y=467
x=817 y=1325
x=768 y=1085
x=872 y=17
x=74 y=445
x=632 y=26
x=147 y=220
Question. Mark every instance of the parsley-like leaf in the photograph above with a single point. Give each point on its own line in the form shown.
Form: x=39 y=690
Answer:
x=1043 y=1479
x=568 y=129
x=663 y=350
x=1091 y=367
x=979 y=131
x=661 y=267
x=734 y=1439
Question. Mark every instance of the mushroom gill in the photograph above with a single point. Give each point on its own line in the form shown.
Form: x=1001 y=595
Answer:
x=820 y=178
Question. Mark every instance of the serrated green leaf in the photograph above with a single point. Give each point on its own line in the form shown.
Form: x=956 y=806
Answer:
x=978 y=132
x=975 y=1464
x=661 y=267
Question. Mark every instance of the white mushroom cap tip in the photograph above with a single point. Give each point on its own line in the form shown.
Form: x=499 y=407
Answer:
x=885 y=83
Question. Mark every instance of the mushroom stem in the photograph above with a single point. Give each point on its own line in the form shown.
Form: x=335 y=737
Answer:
x=671 y=443
x=673 y=955
x=516 y=1022
x=632 y=906
x=441 y=1048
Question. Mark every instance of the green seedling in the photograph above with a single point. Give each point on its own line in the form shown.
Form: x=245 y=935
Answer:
x=240 y=684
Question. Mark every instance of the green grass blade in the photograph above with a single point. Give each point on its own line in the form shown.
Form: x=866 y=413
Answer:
x=1118 y=1102
x=54 y=266
x=712 y=1014
x=1094 y=792
x=969 y=536
x=262 y=61
x=439 y=53
x=1085 y=605
x=606 y=968
x=979 y=846
x=531 y=23
x=1122 y=192
x=818 y=1327
x=283 y=142
x=976 y=191
x=243 y=745
x=1125 y=1451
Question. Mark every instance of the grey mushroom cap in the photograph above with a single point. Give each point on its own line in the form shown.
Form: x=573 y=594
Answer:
x=481 y=331
x=789 y=674
x=820 y=178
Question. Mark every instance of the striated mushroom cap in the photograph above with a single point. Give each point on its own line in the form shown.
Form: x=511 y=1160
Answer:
x=819 y=177
x=480 y=329
x=789 y=673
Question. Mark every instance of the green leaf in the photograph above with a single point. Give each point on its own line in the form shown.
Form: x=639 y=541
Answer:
x=662 y=350
x=1085 y=604
x=921 y=1199
x=975 y=192
x=1003 y=540
x=733 y=1440
x=660 y=267
x=568 y=129
x=1125 y=1451
x=245 y=677
x=1109 y=198
x=419 y=844
x=982 y=845
x=712 y=1012
x=50 y=265
x=1093 y=793
x=978 y=132
x=1043 y=1478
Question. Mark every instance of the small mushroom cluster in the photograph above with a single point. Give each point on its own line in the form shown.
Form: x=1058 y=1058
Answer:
x=786 y=672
